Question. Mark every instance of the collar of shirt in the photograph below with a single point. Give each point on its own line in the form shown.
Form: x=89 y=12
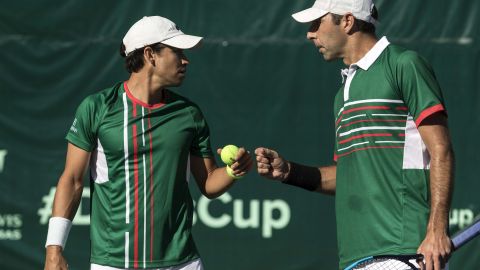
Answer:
x=373 y=54
x=368 y=59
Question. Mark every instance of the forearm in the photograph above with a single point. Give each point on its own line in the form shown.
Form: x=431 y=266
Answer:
x=329 y=180
x=213 y=181
x=322 y=179
x=441 y=189
x=67 y=197
x=436 y=246
x=217 y=182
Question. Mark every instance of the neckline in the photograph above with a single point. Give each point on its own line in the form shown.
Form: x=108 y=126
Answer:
x=143 y=104
x=373 y=54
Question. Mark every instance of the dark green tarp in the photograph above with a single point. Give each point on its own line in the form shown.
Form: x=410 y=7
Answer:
x=258 y=81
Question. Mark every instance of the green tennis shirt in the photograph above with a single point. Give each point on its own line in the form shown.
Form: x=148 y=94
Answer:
x=141 y=208
x=382 y=190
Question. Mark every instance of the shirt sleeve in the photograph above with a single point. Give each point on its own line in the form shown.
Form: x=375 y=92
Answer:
x=335 y=147
x=337 y=116
x=201 y=142
x=82 y=133
x=418 y=86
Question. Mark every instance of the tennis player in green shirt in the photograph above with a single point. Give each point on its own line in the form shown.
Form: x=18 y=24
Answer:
x=392 y=173
x=141 y=142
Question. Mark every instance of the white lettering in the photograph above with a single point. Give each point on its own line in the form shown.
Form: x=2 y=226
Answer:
x=10 y=226
x=269 y=222
x=254 y=219
x=73 y=128
x=465 y=217
x=10 y=234
x=461 y=217
x=276 y=214
x=3 y=221
x=11 y=220
x=45 y=212
x=208 y=219
x=3 y=154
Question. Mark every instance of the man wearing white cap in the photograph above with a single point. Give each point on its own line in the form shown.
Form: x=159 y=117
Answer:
x=393 y=164
x=141 y=141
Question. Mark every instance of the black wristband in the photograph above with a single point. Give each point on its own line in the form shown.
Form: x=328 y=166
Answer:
x=305 y=177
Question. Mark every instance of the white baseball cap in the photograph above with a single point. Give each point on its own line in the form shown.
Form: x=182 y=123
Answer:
x=361 y=9
x=154 y=29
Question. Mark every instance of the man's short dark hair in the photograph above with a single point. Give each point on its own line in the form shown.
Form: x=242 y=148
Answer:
x=134 y=61
x=359 y=25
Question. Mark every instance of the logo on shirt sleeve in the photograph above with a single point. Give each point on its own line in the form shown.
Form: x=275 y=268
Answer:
x=73 y=127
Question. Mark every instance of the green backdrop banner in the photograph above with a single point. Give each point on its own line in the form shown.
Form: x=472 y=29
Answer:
x=258 y=81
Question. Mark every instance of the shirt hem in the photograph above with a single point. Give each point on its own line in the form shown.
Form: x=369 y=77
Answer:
x=79 y=144
x=429 y=111
x=149 y=264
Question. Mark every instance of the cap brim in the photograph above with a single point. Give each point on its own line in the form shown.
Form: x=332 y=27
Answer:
x=183 y=41
x=309 y=14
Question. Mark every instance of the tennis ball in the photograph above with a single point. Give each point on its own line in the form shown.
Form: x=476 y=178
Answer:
x=230 y=173
x=228 y=154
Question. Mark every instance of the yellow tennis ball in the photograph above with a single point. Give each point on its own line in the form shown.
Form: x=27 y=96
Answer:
x=228 y=154
x=230 y=173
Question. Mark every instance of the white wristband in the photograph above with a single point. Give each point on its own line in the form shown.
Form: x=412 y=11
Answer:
x=58 y=229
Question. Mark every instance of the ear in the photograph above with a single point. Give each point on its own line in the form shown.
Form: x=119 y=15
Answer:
x=348 y=22
x=148 y=55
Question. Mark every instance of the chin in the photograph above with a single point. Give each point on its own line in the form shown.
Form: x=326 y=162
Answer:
x=328 y=58
x=175 y=84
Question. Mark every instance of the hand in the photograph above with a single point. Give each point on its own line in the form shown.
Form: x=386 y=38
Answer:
x=436 y=248
x=271 y=165
x=243 y=162
x=54 y=259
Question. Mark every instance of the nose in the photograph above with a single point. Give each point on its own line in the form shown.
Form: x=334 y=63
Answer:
x=184 y=59
x=311 y=35
x=313 y=29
